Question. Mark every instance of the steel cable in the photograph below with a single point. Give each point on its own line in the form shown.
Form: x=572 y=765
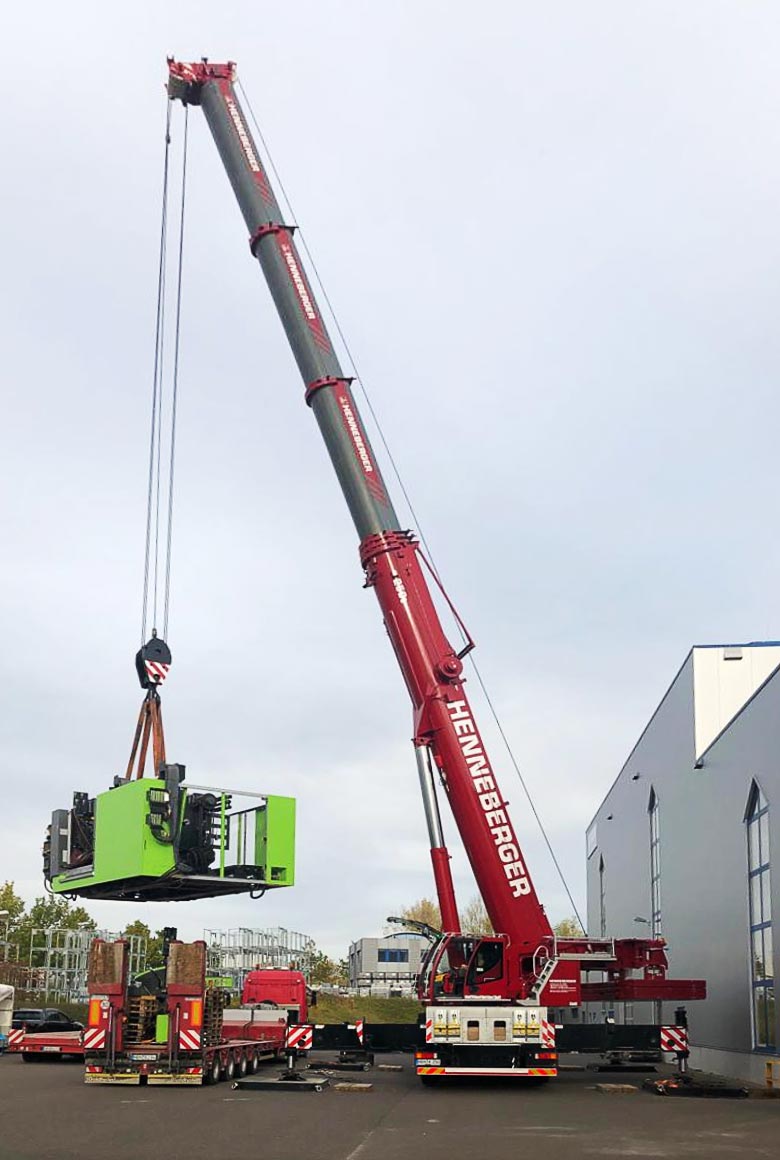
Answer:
x=175 y=391
x=158 y=360
x=155 y=486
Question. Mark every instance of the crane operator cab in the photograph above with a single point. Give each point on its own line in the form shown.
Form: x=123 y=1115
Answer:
x=462 y=966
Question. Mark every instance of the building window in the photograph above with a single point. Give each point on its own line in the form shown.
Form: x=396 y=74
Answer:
x=760 y=904
x=602 y=901
x=655 y=866
x=392 y=955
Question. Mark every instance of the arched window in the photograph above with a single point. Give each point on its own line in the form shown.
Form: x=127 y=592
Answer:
x=655 y=865
x=760 y=903
x=602 y=900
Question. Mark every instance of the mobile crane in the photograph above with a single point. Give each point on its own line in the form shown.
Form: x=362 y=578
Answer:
x=486 y=997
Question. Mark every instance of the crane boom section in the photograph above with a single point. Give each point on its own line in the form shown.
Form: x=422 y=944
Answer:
x=443 y=720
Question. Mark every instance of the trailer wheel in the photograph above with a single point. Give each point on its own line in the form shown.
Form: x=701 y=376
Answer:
x=242 y=1065
x=254 y=1062
x=214 y=1072
x=230 y=1067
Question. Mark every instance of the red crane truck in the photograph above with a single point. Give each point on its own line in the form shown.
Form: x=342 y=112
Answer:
x=169 y=1027
x=486 y=998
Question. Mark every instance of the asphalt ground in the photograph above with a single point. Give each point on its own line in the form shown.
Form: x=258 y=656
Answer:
x=47 y=1113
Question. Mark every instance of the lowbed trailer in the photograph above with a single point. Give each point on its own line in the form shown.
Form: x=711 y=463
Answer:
x=179 y=1033
x=54 y=1045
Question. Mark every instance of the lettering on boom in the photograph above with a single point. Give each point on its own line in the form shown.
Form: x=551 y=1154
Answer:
x=248 y=148
x=370 y=472
x=489 y=799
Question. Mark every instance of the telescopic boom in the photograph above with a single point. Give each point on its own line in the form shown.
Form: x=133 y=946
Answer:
x=446 y=737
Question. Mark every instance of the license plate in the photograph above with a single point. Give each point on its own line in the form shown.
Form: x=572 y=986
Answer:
x=138 y=1057
x=57 y=1049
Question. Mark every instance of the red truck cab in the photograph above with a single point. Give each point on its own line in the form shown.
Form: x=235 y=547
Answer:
x=285 y=989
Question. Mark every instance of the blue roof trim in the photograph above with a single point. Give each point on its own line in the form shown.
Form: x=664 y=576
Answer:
x=747 y=644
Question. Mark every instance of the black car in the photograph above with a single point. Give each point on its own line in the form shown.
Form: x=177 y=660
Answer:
x=37 y=1019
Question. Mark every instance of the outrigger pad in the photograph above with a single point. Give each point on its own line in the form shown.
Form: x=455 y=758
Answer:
x=154 y=839
x=282 y=1083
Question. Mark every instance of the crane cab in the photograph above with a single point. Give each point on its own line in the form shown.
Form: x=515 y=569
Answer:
x=461 y=966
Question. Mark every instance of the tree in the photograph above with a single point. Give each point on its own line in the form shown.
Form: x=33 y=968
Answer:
x=474 y=917
x=13 y=905
x=154 y=942
x=424 y=910
x=323 y=969
x=46 y=914
x=569 y=928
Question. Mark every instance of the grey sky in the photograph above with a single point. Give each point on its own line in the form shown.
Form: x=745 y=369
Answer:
x=550 y=234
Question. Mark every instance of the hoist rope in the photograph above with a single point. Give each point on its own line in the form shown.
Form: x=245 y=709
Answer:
x=158 y=338
x=402 y=486
x=175 y=393
x=155 y=483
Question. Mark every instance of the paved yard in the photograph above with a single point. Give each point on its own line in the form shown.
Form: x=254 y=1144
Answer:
x=46 y=1113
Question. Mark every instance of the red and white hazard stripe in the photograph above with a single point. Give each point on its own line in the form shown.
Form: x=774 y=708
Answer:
x=674 y=1039
x=189 y=1040
x=15 y=1040
x=429 y=1031
x=94 y=1038
x=548 y=1033
x=359 y=1029
x=300 y=1036
x=156 y=671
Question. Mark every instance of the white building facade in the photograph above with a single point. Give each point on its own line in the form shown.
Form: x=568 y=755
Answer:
x=386 y=966
x=686 y=846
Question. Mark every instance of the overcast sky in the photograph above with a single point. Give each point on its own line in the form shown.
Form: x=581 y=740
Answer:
x=550 y=233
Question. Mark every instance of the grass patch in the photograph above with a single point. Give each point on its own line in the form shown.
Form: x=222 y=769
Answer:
x=345 y=1009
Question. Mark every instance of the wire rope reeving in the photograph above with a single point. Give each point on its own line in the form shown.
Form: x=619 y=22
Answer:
x=175 y=390
x=397 y=474
x=158 y=353
x=156 y=499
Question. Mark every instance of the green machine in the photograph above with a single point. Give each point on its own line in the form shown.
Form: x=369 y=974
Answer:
x=156 y=838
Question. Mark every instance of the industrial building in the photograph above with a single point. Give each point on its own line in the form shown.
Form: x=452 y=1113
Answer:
x=385 y=966
x=682 y=847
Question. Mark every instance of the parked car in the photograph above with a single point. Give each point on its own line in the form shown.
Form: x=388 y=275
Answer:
x=36 y=1019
